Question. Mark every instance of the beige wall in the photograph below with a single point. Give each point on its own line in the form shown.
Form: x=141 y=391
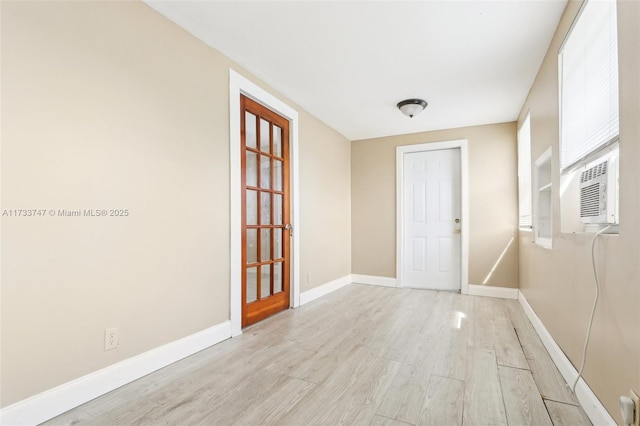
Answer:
x=110 y=105
x=492 y=201
x=325 y=198
x=558 y=283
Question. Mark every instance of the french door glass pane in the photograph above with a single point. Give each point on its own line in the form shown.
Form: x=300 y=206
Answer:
x=264 y=136
x=252 y=245
x=265 y=171
x=252 y=207
x=277 y=209
x=265 y=244
x=277 y=243
x=277 y=277
x=250 y=129
x=277 y=175
x=265 y=284
x=265 y=208
x=252 y=169
x=252 y=284
x=277 y=141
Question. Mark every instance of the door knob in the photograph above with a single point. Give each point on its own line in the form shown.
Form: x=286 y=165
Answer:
x=289 y=227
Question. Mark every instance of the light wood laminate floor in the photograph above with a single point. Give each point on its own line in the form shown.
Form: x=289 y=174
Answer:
x=360 y=355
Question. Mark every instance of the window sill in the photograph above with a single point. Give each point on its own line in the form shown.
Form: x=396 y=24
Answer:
x=585 y=235
x=545 y=243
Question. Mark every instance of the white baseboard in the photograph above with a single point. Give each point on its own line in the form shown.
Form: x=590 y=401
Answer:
x=490 y=291
x=53 y=402
x=321 y=290
x=374 y=280
x=589 y=401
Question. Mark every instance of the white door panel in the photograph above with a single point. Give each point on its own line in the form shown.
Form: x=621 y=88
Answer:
x=431 y=237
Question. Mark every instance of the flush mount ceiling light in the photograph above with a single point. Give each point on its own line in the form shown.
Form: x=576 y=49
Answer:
x=412 y=107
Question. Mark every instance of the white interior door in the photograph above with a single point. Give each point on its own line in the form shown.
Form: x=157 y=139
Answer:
x=432 y=215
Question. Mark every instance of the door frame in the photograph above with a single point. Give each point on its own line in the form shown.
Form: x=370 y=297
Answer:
x=238 y=85
x=464 y=205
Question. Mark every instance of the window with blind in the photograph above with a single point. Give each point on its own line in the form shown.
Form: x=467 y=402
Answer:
x=588 y=63
x=524 y=174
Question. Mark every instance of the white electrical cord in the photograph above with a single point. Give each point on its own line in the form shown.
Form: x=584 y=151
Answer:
x=593 y=310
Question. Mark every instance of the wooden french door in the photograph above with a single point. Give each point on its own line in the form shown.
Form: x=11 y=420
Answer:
x=266 y=225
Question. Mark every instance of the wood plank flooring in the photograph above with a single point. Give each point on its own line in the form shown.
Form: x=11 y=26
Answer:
x=361 y=355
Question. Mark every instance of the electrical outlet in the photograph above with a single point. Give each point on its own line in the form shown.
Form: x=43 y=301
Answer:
x=110 y=338
x=636 y=401
x=308 y=277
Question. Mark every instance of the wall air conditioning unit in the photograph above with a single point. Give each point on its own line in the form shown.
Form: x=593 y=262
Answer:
x=599 y=192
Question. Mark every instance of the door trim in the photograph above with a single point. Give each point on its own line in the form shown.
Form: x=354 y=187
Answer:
x=464 y=205
x=238 y=85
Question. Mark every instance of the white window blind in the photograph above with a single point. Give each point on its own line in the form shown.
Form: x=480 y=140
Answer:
x=589 y=83
x=524 y=174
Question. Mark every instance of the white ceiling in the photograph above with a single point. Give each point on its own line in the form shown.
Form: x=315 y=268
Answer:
x=350 y=62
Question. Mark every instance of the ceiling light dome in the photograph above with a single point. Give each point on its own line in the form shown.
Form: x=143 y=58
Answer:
x=412 y=107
